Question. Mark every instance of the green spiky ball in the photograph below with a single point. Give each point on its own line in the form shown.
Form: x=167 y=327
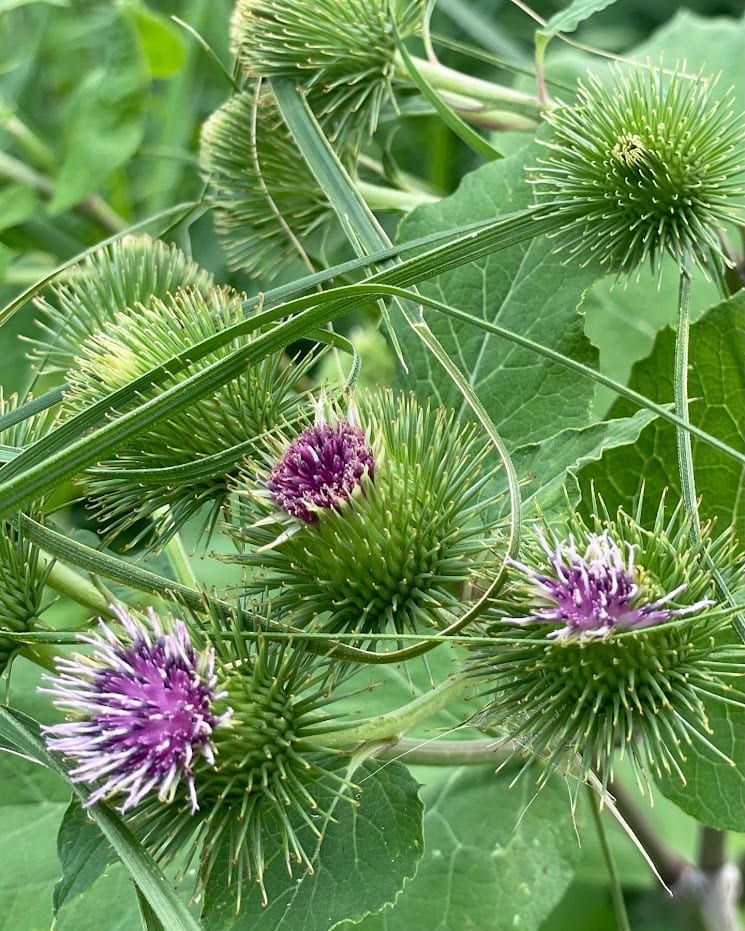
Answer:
x=408 y=549
x=583 y=700
x=270 y=789
x=341 y=53
x=184 y=462
x=646 y=166
x=260 y=184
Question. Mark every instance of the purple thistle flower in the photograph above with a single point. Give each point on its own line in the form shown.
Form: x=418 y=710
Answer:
x=320 y=468
x=144 y=711
x=594 y=593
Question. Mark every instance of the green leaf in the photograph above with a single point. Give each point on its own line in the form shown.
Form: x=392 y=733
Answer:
x=17 y=203
x=714 y=44
x=111 y=904
x=367 y=854
x=31 y=805
x=568 y=19
x=161 y=42
x=496 y=858
x=717 y=391
x=573 y=448
x=84 y=854
x=105 y=117
x=22 y=732
x=714 y=792
x=524 y=289
x=623 y=320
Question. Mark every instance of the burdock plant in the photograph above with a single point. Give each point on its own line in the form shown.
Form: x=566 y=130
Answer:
x=609 y=642
x=206 y=750
x=142 y=712
x=182 y=464
x=645 y=166
x=346 y=59
x=341 y=53
x=380 y=518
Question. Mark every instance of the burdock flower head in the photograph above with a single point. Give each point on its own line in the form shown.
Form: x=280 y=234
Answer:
x=320 y=468
x=385 y=520
x=260 y=184
x=273 y=792
x=610 y=638
x=595 y=590
x=647 y=166
x=341 y=53
x=142 y=711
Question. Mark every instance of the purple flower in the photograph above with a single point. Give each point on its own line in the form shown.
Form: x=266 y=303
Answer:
x=594 y=592
x=320 y=468
x=143 y=711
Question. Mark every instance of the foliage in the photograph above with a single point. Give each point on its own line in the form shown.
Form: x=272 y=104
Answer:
x=315 y=358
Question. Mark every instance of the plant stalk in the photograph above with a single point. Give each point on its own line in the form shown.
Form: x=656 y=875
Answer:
x=392 y=724
x=622 y=918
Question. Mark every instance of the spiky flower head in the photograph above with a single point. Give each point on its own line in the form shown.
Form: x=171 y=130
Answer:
x=646 y=166
x=22 y=587
x=23 y=575
x=341 y=53
x=610 y=638
x=320 y=469
x=260 y=184
x=125 y=274
x=595 y=589
x=272 y=792
x=405 y=543
x=143 y=711
x=181 y=464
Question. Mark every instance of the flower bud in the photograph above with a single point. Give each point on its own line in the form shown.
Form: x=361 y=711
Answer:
x=341 y=53
x=385 y=519
x=648 y=166
x=87 y=297
x=22 y=577
x=611 y=639
x=181 y=464
x=260 y=184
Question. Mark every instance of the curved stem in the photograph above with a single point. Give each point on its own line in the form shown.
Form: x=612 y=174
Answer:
x=619 y=905
x=436 y=752
x=684 y=447
x=448 y=79
x=683 y=439
x=392 y=724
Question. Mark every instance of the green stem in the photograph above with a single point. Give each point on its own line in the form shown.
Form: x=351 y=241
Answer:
x=66 y=581
x=92 y=206
x=622 y=919
x=36 y=148
x=478 y=752
x=684 y=446
x=378 y=197
x=712 y=849
x=454 y=82
x=41 y=655
x=392 y=724
x=180 y=562
x=684 y=443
